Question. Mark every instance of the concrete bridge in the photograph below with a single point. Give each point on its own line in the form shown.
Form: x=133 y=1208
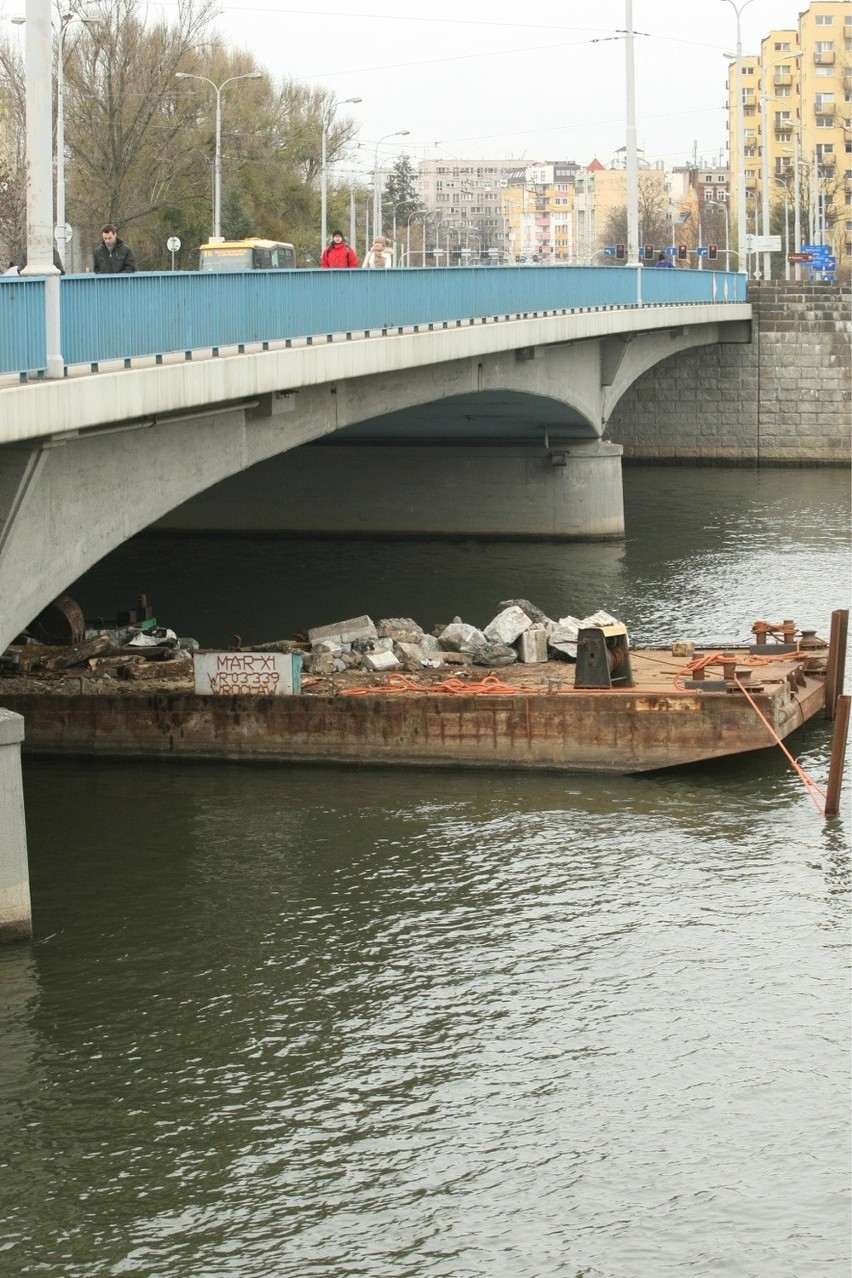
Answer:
x=175 y=383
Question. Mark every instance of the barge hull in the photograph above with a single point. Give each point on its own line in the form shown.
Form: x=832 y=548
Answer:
x=619 y=732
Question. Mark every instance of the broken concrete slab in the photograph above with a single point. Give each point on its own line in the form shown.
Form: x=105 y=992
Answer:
x=345 y=631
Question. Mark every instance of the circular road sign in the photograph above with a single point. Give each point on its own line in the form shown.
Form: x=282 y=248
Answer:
x=173 y=244
x=62 y=233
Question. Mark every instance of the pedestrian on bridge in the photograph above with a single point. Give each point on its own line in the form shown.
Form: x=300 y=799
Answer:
x=338 y=253
x=113 y=256
x=380 y=255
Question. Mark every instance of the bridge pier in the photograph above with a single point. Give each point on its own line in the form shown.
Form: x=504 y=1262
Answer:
x=570 y=489
x=15 y=908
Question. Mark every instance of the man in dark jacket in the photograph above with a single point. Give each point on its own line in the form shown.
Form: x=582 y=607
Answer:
x=113 y=256
x=338 y=252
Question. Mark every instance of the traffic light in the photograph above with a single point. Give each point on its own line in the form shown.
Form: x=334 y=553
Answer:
x=712 y=252
x=681 y=252
x=648 y=252
x=619 y=251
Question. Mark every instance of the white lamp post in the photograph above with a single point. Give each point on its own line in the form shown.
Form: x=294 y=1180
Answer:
x=377 y=185
x=217 y=162
x=764 y=153
x=324 y=180
x=738 y=91
x=39 y=181
x=632 y=159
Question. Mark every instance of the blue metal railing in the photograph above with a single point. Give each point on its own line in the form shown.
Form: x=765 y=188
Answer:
x=153 y=313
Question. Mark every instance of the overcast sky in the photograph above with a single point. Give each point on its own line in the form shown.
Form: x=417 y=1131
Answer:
x=469 y=80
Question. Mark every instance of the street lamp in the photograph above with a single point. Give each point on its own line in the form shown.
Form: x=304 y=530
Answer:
x=377 y=186
x=217 y=163
x=324 y=177
x=65 y=19
x=764 y=153
x=738 y=93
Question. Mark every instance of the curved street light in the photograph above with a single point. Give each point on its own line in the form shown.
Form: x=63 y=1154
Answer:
x=217 y=164
x=377 y=186
x=324 y=178
x=741 y=186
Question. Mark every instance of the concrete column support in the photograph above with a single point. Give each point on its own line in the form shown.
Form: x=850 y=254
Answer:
x=16 y=922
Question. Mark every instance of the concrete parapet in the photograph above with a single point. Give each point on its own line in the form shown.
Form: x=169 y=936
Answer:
x=15 y=908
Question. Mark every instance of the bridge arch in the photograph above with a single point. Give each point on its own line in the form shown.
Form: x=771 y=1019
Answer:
x=123 y=450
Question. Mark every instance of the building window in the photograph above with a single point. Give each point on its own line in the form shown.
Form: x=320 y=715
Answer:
x=823 y=19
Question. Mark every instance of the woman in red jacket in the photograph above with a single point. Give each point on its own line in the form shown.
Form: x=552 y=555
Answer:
x=338 y=252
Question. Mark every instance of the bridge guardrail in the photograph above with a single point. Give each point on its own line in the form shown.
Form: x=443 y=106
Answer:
x=154 y=313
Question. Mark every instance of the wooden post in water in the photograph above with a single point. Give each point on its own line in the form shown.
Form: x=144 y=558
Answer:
x=836 y=668
x=838 y=755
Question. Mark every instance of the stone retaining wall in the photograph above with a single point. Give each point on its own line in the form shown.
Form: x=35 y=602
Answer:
x=784 y=399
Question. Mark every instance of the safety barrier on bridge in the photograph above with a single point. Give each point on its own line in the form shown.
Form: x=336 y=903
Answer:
x=126 y=317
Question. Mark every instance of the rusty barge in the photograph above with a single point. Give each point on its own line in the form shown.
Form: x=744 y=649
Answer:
x=654 y=708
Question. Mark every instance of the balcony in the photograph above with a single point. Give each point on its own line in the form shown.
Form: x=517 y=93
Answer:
x=781 y=79
x=824 y=59
x=823 y=109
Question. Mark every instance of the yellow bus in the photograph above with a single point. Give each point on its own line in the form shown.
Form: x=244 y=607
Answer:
x=246 y=255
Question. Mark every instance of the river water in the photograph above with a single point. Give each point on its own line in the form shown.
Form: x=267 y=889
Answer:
x=320 y=1023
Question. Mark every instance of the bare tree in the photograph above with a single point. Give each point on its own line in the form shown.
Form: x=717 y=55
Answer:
x=130 y=133
x=13 y=180
x=654 y=216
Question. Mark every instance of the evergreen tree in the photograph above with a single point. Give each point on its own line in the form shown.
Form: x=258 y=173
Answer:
x=400 y=192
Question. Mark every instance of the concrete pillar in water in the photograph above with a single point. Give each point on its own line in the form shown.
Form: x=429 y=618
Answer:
x=16 y=923
x=570 y=489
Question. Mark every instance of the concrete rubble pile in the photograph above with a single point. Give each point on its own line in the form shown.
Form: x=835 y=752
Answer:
x=519 y=632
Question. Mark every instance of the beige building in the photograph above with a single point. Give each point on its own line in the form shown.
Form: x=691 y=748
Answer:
x=797 y=133
x=600 y=200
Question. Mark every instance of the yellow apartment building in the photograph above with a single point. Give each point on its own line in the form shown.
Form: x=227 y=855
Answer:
x=797 y=134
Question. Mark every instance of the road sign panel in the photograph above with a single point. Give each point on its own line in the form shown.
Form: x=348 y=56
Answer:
x=799 y=257
x=763 y=243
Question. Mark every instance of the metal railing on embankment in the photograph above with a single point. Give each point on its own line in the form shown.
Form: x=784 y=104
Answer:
x=150 y=314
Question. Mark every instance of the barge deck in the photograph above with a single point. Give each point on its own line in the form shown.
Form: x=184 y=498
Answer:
x=522 y=717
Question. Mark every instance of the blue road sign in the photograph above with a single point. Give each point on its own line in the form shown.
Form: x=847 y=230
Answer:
x=701 y=252
x=609 y=251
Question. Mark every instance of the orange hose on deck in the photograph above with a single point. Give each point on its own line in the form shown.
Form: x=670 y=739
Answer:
x=489 y=686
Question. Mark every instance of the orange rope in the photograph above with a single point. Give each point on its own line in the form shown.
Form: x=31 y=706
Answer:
x=489 y=686
x=808 y=782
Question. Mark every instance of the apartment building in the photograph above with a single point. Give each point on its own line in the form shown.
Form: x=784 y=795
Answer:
x=538 y=206
x=797 y=132
x=464 y=198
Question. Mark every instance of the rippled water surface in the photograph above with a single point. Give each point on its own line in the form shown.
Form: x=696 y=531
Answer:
x=328 y=1022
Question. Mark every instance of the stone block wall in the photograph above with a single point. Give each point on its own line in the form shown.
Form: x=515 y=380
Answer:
x=783 y=399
